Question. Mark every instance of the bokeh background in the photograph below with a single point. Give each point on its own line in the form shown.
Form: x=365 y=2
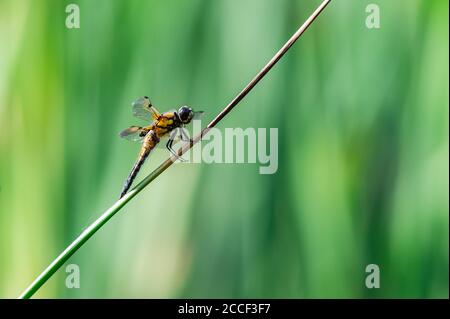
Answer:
x=363 y=150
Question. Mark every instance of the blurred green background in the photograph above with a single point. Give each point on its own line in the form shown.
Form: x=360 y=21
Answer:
x=363 y=149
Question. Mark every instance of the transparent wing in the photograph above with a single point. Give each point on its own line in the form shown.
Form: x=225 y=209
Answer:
x=198 y=115
x=143 y=109
x=133 y=133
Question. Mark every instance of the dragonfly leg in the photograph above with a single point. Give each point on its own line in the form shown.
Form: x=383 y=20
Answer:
x=185 y=137
x=171 y=150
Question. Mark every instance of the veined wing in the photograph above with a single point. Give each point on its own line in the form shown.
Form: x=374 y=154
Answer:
x=198 y=115
x=133 y=133
x=144 y=110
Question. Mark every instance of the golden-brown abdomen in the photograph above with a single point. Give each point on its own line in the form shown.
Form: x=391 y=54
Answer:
x=149 y=143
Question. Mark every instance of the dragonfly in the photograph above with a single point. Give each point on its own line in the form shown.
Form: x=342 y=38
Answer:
x=162 y=125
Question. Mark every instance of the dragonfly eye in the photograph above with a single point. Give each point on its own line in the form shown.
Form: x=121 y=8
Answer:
x=186 y=114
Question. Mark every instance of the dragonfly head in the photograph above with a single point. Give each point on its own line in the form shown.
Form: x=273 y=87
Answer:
x=186 y=114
